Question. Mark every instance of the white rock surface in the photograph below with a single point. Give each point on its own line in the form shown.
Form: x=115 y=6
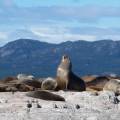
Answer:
x=101 y=107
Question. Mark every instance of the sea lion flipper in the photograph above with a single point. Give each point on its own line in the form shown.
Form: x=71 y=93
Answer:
x=45 y=95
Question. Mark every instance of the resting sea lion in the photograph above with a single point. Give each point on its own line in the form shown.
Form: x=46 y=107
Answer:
x=113 y=85
x=49 y=84
x=97 y=83
x=46 y=95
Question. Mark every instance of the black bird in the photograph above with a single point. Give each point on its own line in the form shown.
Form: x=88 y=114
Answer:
x=55 y=106
x=77 y=106
x=65 y=106
x=116 y=101
x=29 y=105
x=38 y=105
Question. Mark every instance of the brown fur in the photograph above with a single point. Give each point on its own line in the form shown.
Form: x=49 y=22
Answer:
x=9 y=79
x=32 y=83
x=89 y=78
x=46 y=95
x=97 y=83
x=23 y=87
x=66 y=79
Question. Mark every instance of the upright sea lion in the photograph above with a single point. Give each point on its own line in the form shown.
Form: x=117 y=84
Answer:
x=66 y=79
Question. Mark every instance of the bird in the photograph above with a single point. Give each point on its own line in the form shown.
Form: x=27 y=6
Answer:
x=65 y=106
x=77 y=106
x=116 y=101
x=55 y=106
x=29 y=105
x=38 y=105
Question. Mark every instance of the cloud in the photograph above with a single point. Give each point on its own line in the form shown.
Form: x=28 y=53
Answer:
x=6 y=37
x=58 y=38
x=112 y=37
x=83 y=14
x=95 y=31
x=3 y=38
x=60 y=34
x=3 y=35
x=22 y=33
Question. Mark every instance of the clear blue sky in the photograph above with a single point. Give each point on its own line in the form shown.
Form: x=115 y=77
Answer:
x=31 y=3
x=59 y=20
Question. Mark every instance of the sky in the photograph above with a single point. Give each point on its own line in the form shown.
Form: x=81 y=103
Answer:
x=56 y=21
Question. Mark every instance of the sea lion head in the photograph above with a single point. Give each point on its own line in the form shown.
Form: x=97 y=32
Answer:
x=66 y=62
x=65 y=58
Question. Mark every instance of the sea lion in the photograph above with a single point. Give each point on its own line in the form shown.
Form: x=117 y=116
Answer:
x=89 y=78
x=66 y=79
x=97 y=83
x=3 y=87
x=113 y=85
x=49 y=84
x=23 y=87
x=20 y=83
x=28 y=80
x=46 y=95
x=8 y=79
x=32 y=83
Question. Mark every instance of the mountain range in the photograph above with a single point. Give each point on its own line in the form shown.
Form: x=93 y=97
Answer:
x=41 y=59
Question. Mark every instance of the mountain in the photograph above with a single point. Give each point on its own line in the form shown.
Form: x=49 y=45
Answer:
x=41 y=58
